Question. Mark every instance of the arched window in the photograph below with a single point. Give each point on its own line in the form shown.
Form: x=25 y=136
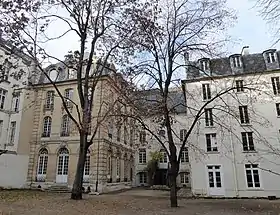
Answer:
x=42 y=165
x=65 y=131
x=49 y=100
x=47 y=124
x=62 y=165
x=87 y=167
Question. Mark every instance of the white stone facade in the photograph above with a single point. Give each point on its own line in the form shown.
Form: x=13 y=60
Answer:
x=238 y=155
x=150 y=144
x=14 y=74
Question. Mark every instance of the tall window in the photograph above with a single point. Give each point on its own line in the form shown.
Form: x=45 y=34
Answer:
x=252 y=175
x=204 y=65
x=163 y=158
x=49 y=100
x=278 y=109
x=15 y=102
x=183 y=133
x=211 y=143
x=119 y=132
x=142 y=156
x=209 y=117
x=161 y=133
x=47 y=126
x=1 y=127
x=270 y=57
x=239 y=85
x=244 y=116
x=65 y=126
x=247 y=141
x=118 y=168
x=42 y=164
x=142 y=177
x=236 y=61
x=275 y=85
x=185 y=155
x=68 y=94
x=142 y=137
x=87 y=166
x=12 y=132
x=184 y=176
x=3 y=94
x=110 y=129
x=206 y=92
x=109 y=166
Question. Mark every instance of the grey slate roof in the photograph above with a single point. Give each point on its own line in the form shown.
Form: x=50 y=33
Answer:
x=251 y=63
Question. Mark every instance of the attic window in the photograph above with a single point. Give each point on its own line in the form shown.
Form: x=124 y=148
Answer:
x=204 y=65
x=270 y=57
x=236 y=61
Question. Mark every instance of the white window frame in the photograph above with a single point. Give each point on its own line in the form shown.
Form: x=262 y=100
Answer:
x=212 y=137
x=68 y=94
x=252 y=168
x=184 y=177
x=3 y=94
x=209 y=121
x=239 y=86
x=47 y=126
x=270 y=57
x=49 y=99
x=142 y=136
x=236 y=61
x=277 y=109
x=164 y=158
x=118 y=168
x=1 y=127
x=142 y=156
x=183 y=133
x=87 y=167
x=275 y=85
x=16 y=97
x=65 y=126
x=206 y=92
x=244 y=114
x=42 y=165
x=142 y=177
x=12 y=133
x=248 y=141
x=185 y=155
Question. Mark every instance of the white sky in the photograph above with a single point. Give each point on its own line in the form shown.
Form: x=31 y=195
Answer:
x=250 y=29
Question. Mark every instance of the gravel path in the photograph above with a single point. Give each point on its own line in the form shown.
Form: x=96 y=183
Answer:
x=40 y=203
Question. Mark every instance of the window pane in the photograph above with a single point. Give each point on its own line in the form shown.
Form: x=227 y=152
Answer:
x=211 y=179
x=249 y=178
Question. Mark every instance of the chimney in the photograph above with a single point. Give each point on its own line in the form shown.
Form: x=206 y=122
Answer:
x=245 y=51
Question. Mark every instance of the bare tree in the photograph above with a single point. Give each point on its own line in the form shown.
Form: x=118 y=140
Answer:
x=270 y=11
x=176 y=27
x=30 y=25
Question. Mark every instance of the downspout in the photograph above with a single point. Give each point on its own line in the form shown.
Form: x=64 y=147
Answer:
x=233 y=155
x=98 y=143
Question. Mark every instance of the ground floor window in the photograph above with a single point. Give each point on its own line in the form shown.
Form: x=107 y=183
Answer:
x=184 y=177
x=143 y=177
x=252 y=175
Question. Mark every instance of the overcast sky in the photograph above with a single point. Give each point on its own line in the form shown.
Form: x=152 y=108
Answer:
x=250 y=30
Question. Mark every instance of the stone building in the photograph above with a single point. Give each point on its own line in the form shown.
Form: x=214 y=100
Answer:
x=55 y=139
x=234 y=150
x=148 y=144
x=15 y=111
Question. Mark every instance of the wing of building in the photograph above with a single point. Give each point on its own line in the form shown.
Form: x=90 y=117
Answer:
x=234 y=146
x=16 y=114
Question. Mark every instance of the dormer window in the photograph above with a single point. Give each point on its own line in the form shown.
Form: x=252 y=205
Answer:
x=53 y=74
x=236 y=61
x=204 y=65
x=270 y=57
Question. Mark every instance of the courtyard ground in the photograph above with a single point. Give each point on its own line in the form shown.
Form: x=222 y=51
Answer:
x=131 y=202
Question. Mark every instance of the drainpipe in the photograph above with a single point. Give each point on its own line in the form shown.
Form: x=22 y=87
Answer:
x=233 y=155
x=98 y=143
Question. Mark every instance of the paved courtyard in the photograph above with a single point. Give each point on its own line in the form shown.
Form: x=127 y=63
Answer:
x=127 y=203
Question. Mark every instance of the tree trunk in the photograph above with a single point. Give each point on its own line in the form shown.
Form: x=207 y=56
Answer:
x=173 y=185
x=77 y=190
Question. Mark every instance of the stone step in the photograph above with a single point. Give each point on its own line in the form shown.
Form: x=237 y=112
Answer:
x=58 y=189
